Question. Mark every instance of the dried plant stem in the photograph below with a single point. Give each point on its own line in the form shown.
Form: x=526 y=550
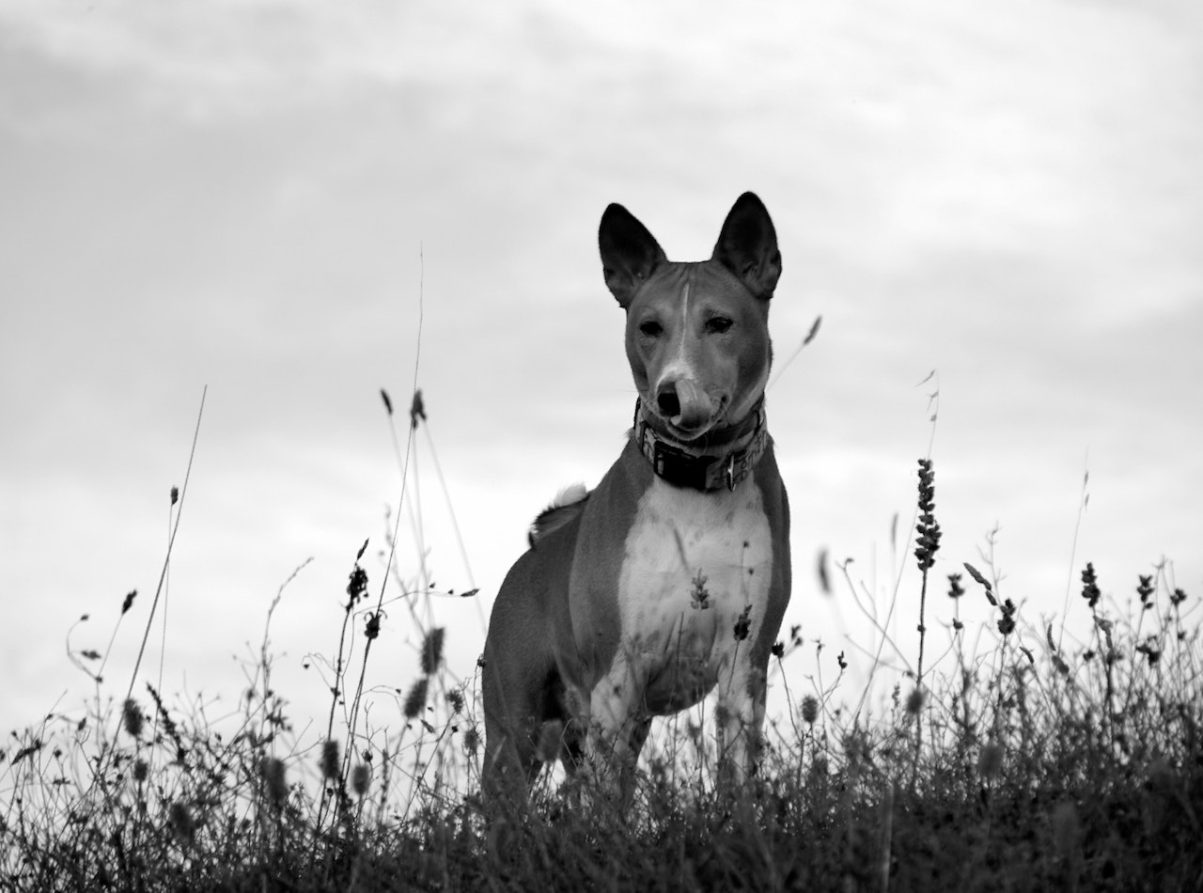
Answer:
x=919 y=675
x=170 y=544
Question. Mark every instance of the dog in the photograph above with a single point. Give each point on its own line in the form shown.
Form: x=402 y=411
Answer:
x=670 y=578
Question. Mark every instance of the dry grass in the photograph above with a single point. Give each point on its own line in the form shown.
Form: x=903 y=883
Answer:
x=1017 y=765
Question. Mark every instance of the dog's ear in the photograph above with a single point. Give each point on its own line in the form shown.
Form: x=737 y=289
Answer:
x=747 y=246
x=629 y=253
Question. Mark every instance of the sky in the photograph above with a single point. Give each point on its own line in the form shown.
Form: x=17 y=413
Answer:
x=296 y=204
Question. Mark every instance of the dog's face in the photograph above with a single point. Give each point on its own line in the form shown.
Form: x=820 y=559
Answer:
x=698 y=345
x=697 y=333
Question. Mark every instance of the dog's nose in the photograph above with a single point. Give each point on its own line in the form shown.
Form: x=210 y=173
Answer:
x=685 y=403
x=668 y=402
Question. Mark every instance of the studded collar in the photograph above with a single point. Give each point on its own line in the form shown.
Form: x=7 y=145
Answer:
x=712 y=463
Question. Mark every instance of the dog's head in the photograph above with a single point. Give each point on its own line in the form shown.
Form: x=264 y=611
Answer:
x=697 y=333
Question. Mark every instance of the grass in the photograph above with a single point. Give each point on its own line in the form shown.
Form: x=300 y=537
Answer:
x=1009 y=762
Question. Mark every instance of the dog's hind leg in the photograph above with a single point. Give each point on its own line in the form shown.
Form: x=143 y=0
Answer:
x=514 y=728
x=521 y=686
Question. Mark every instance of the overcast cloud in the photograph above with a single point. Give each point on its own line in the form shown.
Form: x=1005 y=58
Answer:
x=254 y=195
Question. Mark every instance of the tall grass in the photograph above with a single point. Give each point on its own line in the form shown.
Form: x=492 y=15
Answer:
x=1007 y=762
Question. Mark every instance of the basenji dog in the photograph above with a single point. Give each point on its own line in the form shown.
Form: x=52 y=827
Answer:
x=672 y=576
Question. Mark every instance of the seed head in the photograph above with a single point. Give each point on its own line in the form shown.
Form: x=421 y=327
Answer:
x=330 y=760
x=455 y=698
x=415 y=700
x=743 y=624
x=432 y=650
x=417 y=410
x=1150 y=649
x=955 y=590
x=1006 y=623
x=810 y=709
x=272 y=770
x=141 y=770
x=981 y=581
x=357 y=585
x=371 y=627
x=131 y=718
x=1090 y=588
x=1145 y=591
x=914 y=701
x=471 y=741
x=927 y=486
x=361 y=775
x=928 y=528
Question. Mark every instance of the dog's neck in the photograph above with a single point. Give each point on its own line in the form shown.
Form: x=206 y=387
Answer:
x=719 y=460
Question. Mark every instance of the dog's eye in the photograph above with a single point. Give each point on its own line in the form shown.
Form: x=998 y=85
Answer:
x=718 y=324
x=650 y=328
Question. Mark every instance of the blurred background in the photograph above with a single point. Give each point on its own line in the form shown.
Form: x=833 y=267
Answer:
x=297 y=204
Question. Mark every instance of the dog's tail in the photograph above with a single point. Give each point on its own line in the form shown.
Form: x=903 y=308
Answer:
x=566 y=507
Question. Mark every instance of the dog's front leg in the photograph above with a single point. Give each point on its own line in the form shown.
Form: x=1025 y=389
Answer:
x=618 y=728
x=739 y=720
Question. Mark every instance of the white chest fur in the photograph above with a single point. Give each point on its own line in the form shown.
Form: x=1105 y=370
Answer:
x=693 y=563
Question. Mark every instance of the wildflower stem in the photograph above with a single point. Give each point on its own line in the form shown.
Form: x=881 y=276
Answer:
x=919 y=667
x=925 y=553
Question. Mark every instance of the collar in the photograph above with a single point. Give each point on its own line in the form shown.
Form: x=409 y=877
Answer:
x=711 y=464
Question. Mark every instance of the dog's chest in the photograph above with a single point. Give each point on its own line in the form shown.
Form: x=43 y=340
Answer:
x=693 y=563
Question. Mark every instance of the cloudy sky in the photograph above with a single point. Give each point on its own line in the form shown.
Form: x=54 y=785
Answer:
x=266 y=198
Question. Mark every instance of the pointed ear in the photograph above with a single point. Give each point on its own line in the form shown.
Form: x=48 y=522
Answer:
x=629 y=253
x=747 y=246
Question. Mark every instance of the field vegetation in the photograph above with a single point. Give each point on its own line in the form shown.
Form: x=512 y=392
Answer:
x=993 y=755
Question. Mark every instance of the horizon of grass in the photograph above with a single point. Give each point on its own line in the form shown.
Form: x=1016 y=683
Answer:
x=1009 y=761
